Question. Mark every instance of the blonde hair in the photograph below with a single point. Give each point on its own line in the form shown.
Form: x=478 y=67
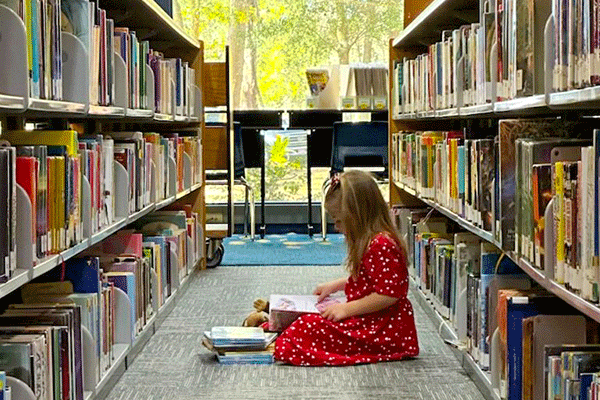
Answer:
x=363 y=212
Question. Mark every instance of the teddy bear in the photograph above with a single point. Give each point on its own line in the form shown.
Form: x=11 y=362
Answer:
x=260 y=315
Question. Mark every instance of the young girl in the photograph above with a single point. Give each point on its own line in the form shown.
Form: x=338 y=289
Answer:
x=377 y=322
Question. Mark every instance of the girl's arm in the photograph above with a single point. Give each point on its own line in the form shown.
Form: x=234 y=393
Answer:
x=325 y=289
x=368 y=304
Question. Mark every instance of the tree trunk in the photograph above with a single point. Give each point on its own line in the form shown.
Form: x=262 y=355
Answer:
x=367 y=55
x=237 y=40
x=251 y=90
x=344 y=55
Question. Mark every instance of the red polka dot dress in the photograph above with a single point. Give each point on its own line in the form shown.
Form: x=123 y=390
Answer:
x=385 y=335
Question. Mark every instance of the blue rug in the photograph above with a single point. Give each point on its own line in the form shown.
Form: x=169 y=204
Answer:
x=288 y=249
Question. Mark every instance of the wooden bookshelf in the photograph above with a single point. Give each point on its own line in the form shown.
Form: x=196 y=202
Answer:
x=426 y=20
x=153 y=24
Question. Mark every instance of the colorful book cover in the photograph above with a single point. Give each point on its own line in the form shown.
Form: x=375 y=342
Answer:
x=486 y=182
x=542 y=194
x=493 y=266
x=559 y=221
x=509 y=131
x=229 y=335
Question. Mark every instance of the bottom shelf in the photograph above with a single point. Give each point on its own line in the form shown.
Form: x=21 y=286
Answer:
x=125 y=354
x=481 y=378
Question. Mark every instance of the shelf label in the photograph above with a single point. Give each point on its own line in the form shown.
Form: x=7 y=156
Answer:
x=379 y=103
x=348 y=103
x=364 y=103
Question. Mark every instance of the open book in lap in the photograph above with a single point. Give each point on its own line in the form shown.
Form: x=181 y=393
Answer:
x=285 y=309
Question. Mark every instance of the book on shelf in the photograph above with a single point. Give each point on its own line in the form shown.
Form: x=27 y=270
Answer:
x=285 y=309
x=541 y=332
x=46 y=21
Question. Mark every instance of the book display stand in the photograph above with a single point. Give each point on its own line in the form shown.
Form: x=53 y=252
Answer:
x=14 y=92
x=184 y=177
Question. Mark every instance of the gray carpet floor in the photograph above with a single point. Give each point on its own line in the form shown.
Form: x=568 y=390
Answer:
x=174 y=365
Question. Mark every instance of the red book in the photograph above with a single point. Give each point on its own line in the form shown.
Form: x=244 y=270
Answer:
x=27 y=173
x=123 y=242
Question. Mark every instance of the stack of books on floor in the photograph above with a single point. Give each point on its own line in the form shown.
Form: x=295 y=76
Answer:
x=240 y=345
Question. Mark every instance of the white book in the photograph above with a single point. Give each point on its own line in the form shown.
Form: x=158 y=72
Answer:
x=587 y=219
x=109 y=199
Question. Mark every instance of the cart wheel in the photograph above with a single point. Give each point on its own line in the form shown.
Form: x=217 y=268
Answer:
x=216 y=258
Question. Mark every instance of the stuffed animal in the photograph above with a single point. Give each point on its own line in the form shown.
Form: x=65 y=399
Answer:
x=260 y=314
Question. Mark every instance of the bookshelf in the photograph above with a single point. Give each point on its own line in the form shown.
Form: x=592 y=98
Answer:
x=218 y=148
x=165 y=104
x=476 y=106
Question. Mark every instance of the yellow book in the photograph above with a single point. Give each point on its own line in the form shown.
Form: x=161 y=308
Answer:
x=47 y=138
x=559 y=220
x=158 y=269
x=51 y=203
x=32 y=291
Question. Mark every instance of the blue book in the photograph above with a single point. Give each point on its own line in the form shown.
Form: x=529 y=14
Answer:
x=519 y=308
x=585 y=381
x=84 y=274
x=33 y=26
x=77 y=19
x=265 y=357
x=490 y=270
x=126 y=282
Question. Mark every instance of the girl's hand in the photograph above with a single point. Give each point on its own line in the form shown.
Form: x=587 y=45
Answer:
x=323 y=290
x=336 y=312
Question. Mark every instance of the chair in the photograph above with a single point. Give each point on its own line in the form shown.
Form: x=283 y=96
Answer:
x=361 y=144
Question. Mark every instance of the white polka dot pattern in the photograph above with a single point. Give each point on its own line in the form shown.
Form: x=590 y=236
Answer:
x=386 y=335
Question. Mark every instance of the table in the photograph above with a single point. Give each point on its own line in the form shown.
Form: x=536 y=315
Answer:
x=318 y=123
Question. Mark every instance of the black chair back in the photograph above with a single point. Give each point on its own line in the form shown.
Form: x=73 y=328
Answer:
x=238 y=152
x=360 y=144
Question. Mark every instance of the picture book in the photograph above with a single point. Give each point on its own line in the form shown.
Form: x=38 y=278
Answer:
x=236 y=335
x=509 y=132
x=251 y=357
x=207 y=341
x=285 y=309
